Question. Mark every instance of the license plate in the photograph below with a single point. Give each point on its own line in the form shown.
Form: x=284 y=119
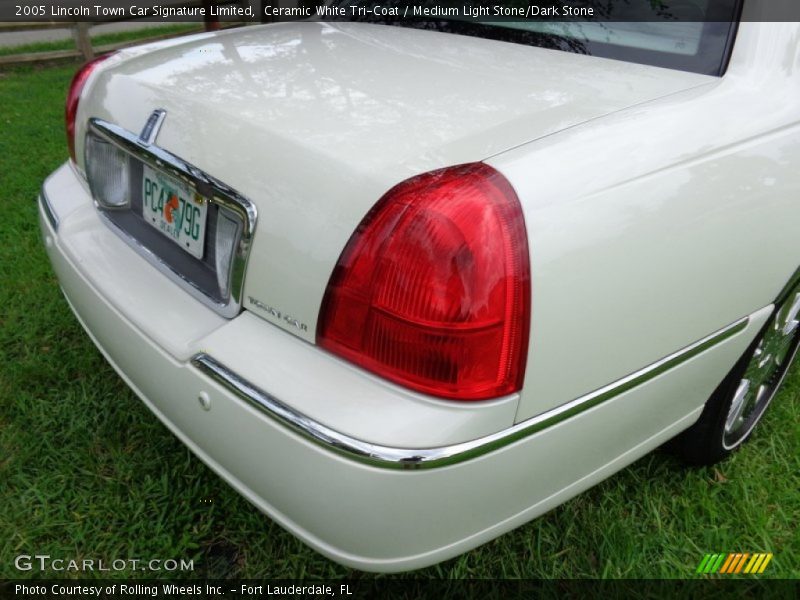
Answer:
x=175 y=209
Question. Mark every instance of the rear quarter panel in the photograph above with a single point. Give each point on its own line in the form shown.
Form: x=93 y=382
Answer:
x=658 y=225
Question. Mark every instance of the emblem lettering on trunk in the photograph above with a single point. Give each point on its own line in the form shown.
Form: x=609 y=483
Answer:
x=274 y=312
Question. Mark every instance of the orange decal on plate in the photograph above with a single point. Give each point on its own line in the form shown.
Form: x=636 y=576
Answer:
x=170 y=207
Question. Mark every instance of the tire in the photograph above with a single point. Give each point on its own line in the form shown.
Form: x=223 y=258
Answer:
x=737 y=405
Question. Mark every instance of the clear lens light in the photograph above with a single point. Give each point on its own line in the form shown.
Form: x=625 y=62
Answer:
x=108 y=172
x=227 y=234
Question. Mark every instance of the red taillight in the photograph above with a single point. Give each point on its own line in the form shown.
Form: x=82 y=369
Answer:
x=433 y=289
x=74 y=96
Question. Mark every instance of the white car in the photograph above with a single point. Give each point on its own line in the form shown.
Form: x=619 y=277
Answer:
x=406 y=289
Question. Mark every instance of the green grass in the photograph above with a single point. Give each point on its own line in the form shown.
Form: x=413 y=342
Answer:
x=101 y=40
x=87 y=471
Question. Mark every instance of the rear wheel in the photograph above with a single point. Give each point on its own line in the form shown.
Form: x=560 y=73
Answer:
x=738 y=404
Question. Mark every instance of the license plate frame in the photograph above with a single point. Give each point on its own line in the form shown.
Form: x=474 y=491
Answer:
x=174 y=208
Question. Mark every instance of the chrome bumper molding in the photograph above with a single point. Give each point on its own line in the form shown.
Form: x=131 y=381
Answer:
x=44 y=201
x=426 y=458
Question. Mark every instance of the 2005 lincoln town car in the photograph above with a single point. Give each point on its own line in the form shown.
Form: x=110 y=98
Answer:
x=407 y=288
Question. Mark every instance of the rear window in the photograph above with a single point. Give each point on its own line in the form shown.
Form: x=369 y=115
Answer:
x=690 y=35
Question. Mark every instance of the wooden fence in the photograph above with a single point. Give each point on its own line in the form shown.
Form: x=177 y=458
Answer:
x=81 y=34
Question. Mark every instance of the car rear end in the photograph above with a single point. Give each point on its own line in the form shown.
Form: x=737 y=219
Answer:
x=335 y=316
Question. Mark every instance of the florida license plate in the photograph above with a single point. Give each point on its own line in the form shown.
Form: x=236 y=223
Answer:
x=175 y=209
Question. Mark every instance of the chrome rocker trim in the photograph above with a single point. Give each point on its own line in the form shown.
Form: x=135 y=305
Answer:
x=425 y=458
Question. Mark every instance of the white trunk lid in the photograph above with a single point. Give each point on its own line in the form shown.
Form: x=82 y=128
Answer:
x=315 y=121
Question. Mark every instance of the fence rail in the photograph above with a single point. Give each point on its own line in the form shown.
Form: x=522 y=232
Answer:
x=81 y=34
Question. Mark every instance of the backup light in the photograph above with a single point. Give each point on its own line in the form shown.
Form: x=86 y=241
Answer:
x=227 y=237
x=433 y=289
x=108 y=172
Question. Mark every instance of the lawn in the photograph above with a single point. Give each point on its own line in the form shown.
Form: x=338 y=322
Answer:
x=102 y=39
x=86 y=471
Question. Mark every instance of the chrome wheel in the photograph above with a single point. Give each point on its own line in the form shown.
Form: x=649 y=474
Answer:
x=764 y=372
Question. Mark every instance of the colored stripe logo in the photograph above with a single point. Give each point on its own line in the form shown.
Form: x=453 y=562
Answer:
x=735 y=562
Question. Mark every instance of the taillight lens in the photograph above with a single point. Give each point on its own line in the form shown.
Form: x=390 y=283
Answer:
x=74 y=96
x=433 y=289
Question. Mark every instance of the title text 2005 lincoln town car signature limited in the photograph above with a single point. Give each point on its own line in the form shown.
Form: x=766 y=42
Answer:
x=407 y=288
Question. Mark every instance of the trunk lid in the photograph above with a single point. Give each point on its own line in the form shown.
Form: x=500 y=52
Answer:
x=313 y=122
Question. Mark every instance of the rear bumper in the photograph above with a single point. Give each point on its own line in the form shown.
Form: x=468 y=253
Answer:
x=353 y=511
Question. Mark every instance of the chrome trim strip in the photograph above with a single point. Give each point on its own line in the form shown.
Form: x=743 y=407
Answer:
x=208 y=186
x=425 y=458
x=48 y=209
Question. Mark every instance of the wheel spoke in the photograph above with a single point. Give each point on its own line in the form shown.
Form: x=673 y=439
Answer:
x=737 y=405
x=790 y=321
x=782 y=348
